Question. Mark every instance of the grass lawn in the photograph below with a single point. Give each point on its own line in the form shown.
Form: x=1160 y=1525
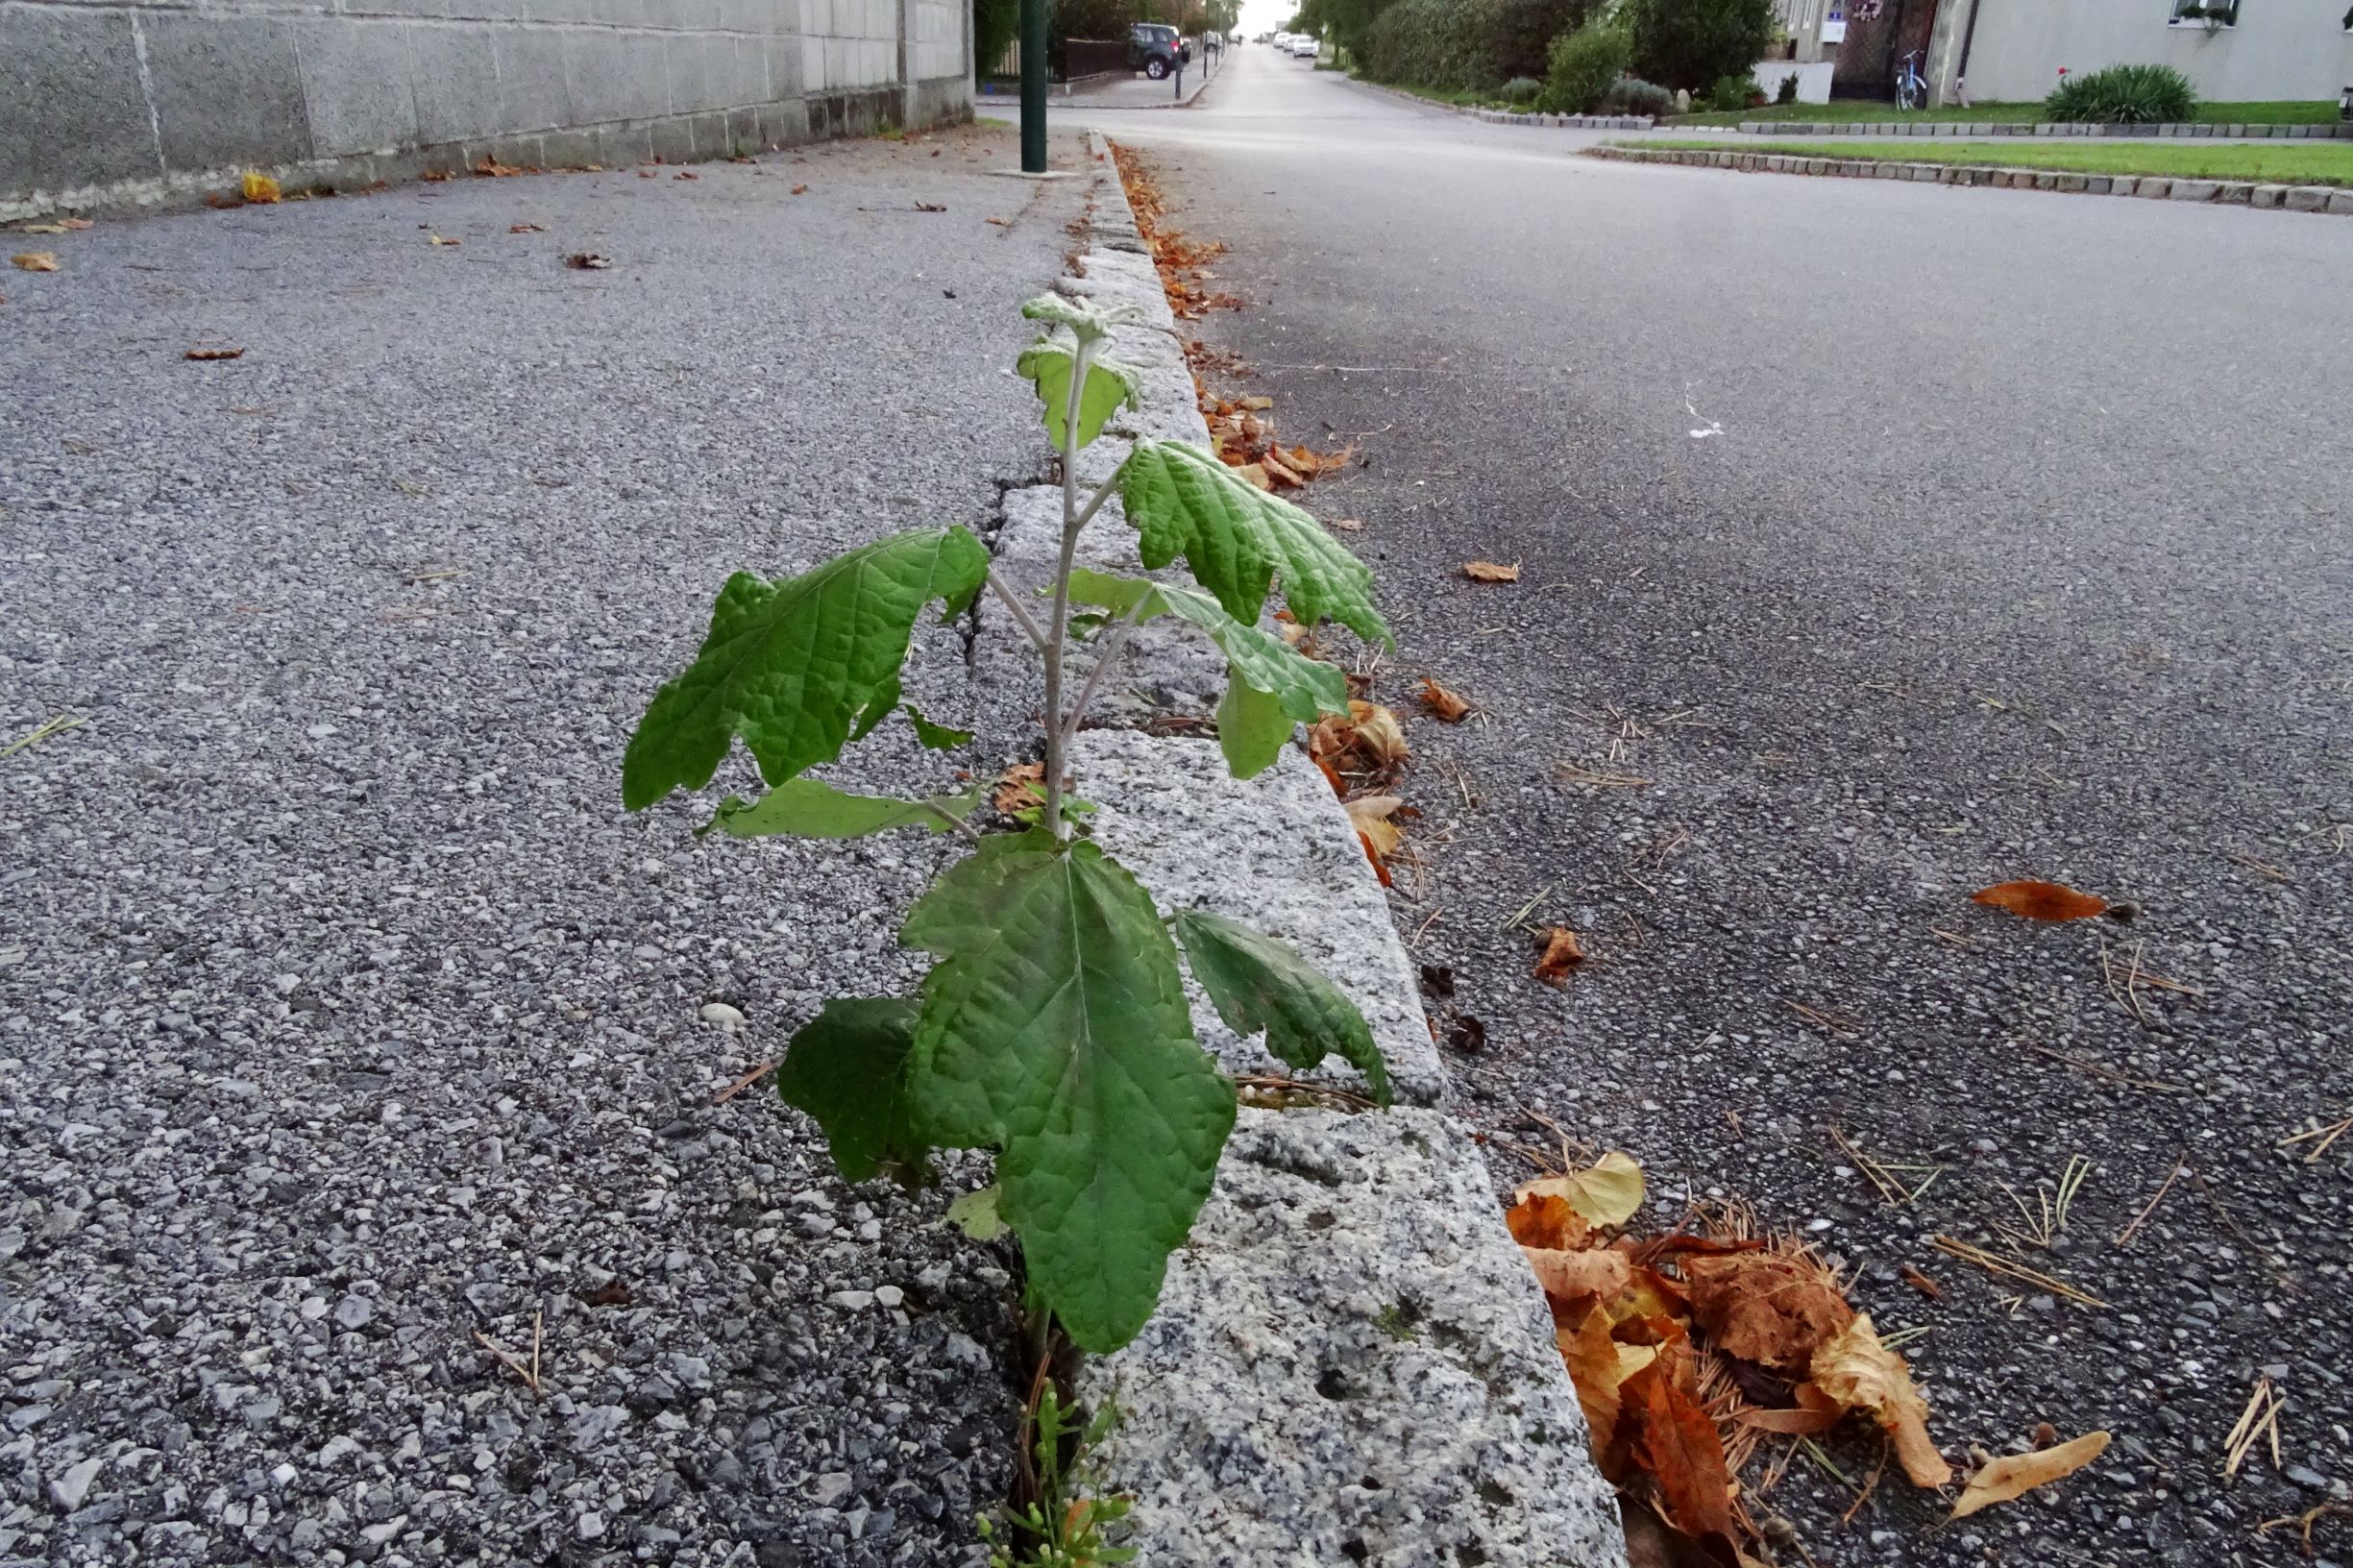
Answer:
x=2319 y=112
x=2272 y=163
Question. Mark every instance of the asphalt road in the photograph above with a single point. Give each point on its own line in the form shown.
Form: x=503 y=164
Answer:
x=1901 y=540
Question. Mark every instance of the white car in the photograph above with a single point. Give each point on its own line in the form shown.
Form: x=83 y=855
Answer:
x=1282 y=42
x=1303 y=48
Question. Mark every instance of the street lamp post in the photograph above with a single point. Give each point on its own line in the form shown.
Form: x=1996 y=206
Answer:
x=1033 y=86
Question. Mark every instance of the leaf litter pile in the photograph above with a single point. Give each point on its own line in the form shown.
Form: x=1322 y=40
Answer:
x=1701 y=1355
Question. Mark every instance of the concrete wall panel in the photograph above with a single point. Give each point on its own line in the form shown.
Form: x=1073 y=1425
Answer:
x=149 y=100
x=2291 y=49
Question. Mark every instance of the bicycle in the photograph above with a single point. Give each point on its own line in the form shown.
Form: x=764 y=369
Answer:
x=1911 y=87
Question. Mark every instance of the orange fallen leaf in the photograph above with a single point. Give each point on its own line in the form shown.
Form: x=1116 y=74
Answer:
x=1371 y=814
x=214 y=354
x=1489 y=571
x=2014 y=1475
x=490 y=168
x=77 y=223
x=800 y=190
x=1019 y=787
x=526 y=229
x=1546 y=1220
x=2041 y=900
x=1367 y=740
x=1276 y=470
x=1664 y=1434
x=646 y=173
x=1772 y=1308
x=1864 y=1375
x=1443 y=703
x=259 y=187
x=1561 y=954
x=442 y=239
x=1346 y=525
x=1001 y=223
x=1258 y=404
x=1599 y=1365
x=1253 y=473
x=586 y=261
x=1581 y=1278
x=35 y=261
x=1920 y=1281
x=686 y=174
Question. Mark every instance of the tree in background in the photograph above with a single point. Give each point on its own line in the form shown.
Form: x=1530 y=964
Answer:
x=1696 y=43
x=1092 y=19
x=995 y=25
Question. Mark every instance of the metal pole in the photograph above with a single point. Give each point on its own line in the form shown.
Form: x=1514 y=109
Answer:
x=1033 y=86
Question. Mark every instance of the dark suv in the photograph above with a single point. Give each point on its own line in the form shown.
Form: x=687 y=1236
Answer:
x=1155 y=49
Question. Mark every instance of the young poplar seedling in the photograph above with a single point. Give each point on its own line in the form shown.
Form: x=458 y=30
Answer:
x=1053 y=1027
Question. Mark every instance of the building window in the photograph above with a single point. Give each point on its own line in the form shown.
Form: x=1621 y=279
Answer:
x=2206 y=13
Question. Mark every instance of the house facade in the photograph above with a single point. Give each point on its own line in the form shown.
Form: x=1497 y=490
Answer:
x=2011 y=51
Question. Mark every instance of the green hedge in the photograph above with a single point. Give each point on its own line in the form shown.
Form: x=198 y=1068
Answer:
x=1466 y=45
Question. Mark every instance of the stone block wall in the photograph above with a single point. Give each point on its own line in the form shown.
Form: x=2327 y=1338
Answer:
x=108 y=102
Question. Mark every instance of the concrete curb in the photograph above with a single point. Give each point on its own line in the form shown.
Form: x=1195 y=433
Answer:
x=1351 y=1363
x=1981 y=129
x=1502 y=116
x=2225 y=192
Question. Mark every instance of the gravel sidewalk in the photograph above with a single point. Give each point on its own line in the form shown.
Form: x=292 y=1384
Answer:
x=346 y=1021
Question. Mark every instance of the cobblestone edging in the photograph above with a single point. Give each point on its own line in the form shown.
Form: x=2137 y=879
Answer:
x=1351 y=1362
x=1975 y=129
x=1504 y=116
x=2172 y=188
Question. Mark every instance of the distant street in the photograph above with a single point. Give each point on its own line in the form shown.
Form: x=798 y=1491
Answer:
x=1878 y=542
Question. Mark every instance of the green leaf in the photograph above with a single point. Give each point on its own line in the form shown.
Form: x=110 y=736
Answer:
x=1047 y=364
x=1055 y=1027
x=850 y=1067
x=1087 y=320
x=791 y=665
x=975 y=1215
x=810 y=808
x=1258 y=982
x=1252 y=729
x=1238 y=539
x=938 y=737
x=1271 y=684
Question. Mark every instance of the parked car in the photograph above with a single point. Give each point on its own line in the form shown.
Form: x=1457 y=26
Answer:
x=1305 y=48
x=1155 y=49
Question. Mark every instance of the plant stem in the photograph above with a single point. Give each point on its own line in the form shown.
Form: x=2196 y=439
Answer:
x=1058 y=627
x=953 y=820
x=1027 y=621
x=1113 y=642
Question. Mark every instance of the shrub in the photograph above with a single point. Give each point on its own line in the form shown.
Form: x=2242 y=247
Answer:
x=1788 y=93
x=994 y=23
x=2123 y=95
x=1583 y=65
x=1517 y=35
x=1522 y=90
x=1731 y=91
x=1691 y=43
x=1632 y=95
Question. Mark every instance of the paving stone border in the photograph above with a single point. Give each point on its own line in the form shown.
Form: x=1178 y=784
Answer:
x=1507 y=116
x=1979 y=128
x=1351 y=1363
x=2156 y=186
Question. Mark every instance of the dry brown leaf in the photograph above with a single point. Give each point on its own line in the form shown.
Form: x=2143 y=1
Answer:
x=1772 y=1308
x=1546 y=1219
x=1019 y=787
x=1001 y=223
x=1606 y=1192
x=2041 y=900
x=1277 y=472
x=1371 y=816
x=42 y=229
x=442 y=239
x=1814 y=1413
x=259 y=187
x=1367 y=740
x=1597 y=1366
x=1920 y=1281
x=1346 y=525
x=1860 y=1373
x=77 y=223
x=586 y=261
x=1560 y=953
x=34 y=261
x=1664 y=1434
x=1443 y=703
x=1258 y=404
x=800 y=190
x=526 y=229
x=1253 y=473
x=930 y=207
x=1590 y=1275
x=214 y=354
x=685 y=174
x=1489 y=571
x=2014 y=1475
x=490 y=168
